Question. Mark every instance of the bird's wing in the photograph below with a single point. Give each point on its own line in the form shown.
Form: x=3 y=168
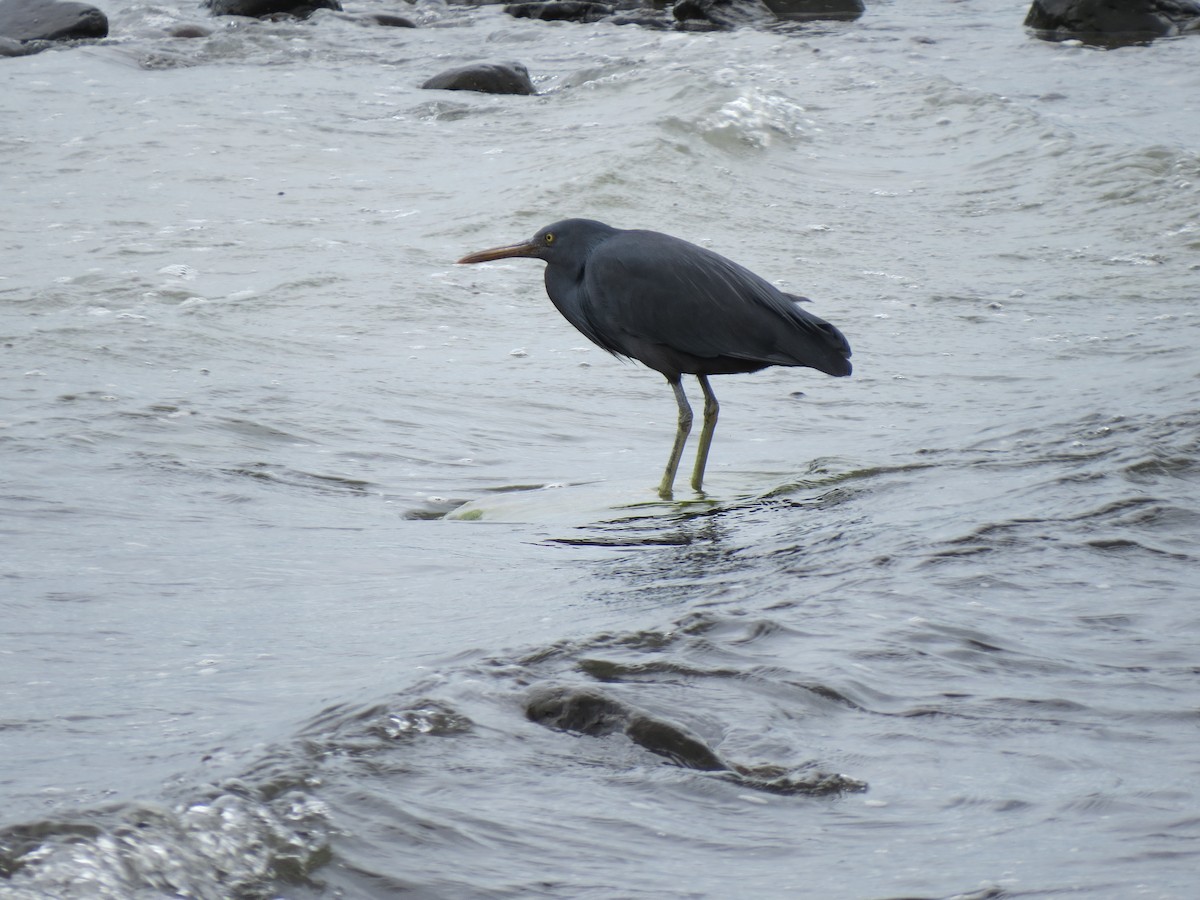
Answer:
x=648 y=287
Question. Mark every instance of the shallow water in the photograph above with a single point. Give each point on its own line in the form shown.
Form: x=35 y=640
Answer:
x=333 y=569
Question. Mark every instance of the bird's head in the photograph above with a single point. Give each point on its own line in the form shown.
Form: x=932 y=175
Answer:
x=564 y=243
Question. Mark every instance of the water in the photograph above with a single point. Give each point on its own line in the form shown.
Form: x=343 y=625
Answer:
x=331 y=569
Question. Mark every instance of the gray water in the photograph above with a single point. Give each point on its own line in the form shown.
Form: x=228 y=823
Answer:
x=331 y=569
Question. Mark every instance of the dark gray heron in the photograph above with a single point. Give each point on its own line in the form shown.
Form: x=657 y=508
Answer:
x=679 y=309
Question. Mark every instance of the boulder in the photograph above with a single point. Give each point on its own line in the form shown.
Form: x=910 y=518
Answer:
x=811 y=10
x=487 y=78
x=586 y=711
x=593 y=712
x=261 y=9
x=560 y=10
x=49 y=20
x=189 y=30
x=725 y=14
x=1112 y=21
x=389 y=20
x=655 y=23
x=686 y=15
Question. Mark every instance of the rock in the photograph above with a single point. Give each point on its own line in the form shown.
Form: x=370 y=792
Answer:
x=656 y=24
x=385 y=20
x=688 y=15
x=47 y=20
x=1112 y=21
x=741 y=13
x=560 y=11
x=260 y=9
x=388 y=20
x=723 y=13
x=591 y=711
x=810 y=10
x=189 y=31
x=487 y=78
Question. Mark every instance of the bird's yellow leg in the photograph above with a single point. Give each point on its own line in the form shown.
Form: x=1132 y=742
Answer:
x=711 y=409
x=681 y=435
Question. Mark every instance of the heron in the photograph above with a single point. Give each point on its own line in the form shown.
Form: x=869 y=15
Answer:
x=677 y=308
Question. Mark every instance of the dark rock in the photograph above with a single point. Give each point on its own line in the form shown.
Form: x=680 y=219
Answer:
x=688 y=15
x=47 y=20
x=390 y=21
x=1112 y=22
x=642 y=21
x=593 y=712
x=810 y=10
x=487 y=78
x=189 y=31
x=261 y=9
x=724 y=13
x=577 y=709
x=560 y=11
x=386 y=20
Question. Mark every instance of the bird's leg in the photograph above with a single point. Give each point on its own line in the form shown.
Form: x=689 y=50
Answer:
x=711 y=409
x=681 y=436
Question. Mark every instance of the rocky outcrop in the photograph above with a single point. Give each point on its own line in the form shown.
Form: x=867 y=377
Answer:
x=1112 y=21
x=487 y=78
x=48 y=20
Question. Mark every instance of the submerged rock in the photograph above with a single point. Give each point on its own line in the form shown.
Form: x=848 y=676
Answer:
x=388 y=20
x=49 y=20
x=806 y=10
x=1112 y=21
x=688 y=15
x=593 y=712
x=723 y=13
x=561 y=11
x=738 y=13
x=261 y=9
x=190 y=30
x=487 y=78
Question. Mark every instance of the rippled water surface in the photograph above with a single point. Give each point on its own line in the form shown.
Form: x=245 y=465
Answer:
x=331 y=569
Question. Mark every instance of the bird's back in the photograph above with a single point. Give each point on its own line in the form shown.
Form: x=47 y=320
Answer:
x=680 y=308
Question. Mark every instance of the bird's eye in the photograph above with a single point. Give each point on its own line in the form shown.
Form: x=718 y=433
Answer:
x=549 y=238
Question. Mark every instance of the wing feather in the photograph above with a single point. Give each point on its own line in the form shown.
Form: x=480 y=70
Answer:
x=642 y=286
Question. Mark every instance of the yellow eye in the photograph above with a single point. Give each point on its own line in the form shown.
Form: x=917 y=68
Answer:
x=549 y=237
